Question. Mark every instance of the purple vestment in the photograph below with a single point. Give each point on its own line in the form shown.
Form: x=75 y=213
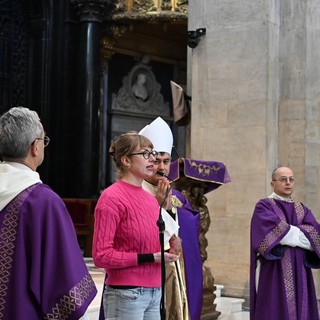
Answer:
x=189 y=222
x=42 y=271
x=286 y=288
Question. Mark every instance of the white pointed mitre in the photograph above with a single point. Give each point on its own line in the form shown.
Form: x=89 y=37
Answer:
x=160 y=134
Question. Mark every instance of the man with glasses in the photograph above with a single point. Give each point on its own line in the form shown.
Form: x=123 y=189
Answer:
x=184 y=278
x=42 y=272
x=285 y=245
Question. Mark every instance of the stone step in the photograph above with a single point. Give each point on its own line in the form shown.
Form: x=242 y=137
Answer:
x=229 y=304
x=244 y=315
x=219 y=288
x=231 y=308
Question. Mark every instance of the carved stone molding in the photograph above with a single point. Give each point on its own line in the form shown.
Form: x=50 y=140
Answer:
x=91 y=10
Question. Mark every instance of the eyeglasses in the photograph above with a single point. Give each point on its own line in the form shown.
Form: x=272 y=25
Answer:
x=46 y=140
x=285 y=179
x=146 y=154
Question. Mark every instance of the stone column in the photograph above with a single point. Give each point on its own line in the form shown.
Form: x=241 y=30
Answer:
x=86 y=157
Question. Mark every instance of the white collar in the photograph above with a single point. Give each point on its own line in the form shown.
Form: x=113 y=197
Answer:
x=17 y=165
x=14 y=178
x=273 y=195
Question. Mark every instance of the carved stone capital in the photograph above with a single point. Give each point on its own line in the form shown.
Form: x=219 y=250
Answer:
x=91 y=10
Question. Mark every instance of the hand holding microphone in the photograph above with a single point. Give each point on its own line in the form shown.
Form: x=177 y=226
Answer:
x=162 y=174
x=163 y=193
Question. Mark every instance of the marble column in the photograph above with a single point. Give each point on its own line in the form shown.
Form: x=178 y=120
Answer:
x=86 y=157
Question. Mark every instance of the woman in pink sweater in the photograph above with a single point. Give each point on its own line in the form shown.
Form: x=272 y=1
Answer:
x=126 y=237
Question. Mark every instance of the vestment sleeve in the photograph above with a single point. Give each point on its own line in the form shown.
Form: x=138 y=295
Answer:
x=311 y=229
x=59 y=278
x=267 y=230
x=296 y=238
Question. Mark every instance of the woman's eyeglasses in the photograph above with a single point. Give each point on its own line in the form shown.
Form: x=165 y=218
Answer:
x=146 y=154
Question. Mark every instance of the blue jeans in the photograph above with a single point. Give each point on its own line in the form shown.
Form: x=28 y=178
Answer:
x=135 y=304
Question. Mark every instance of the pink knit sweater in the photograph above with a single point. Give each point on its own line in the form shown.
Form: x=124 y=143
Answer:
x=125 y=225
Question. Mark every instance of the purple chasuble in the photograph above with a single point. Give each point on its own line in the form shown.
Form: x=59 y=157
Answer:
x=42 y=274
x=189 y=222
x=286 y=289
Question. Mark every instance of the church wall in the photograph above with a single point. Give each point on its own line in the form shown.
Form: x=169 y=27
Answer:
x=255 y=104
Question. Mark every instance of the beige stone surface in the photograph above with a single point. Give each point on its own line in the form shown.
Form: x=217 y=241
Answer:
x=255 y=91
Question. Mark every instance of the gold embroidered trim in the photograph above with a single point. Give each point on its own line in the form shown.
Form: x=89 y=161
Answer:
x=76 y=298
x=313 y=234
x=287 y=263
x=272 y=236
x=299 y=211
x=8 y=235
x=176 y=202
x=289 y=284
x=204 y=169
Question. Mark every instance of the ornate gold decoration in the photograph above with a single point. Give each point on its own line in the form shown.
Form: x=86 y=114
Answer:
x=176 y=202
x=313 y=234
x=112 y=34
x=109 y=41
x=203 y=168
x=143 y=5
x=147 y=7
x=166 y=5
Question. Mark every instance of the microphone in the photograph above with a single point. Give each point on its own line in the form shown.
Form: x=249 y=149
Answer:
x=160 y=173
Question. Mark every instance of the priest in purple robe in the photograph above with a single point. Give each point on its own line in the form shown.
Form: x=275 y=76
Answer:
x=42 y=272
x=285 y=246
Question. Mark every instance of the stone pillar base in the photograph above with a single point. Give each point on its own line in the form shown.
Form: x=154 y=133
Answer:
x=209 y=311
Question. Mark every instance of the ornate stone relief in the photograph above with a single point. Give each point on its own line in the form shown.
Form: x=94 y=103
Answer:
x=143 y=6
x=140 y=93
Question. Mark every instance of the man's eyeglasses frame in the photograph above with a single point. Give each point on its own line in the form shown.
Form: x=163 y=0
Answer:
x=285 y=179
x=46 y=140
